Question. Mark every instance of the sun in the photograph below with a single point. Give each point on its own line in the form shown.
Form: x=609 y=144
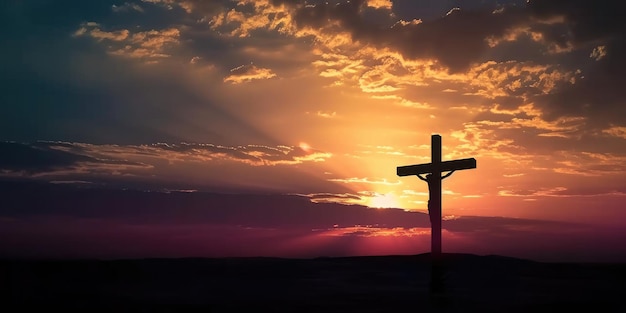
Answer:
x=387 y=200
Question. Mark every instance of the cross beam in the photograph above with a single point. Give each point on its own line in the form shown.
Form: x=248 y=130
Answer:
x=446 y=166
x=434 y=186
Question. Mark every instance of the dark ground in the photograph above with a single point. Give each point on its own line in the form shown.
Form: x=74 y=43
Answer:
x=355 y=284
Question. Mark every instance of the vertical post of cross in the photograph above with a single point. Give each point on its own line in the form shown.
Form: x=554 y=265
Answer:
x=435 y=201
x=434 y=170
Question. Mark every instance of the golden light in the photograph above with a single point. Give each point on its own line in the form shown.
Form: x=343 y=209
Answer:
x=305 y=146
x=387 y=200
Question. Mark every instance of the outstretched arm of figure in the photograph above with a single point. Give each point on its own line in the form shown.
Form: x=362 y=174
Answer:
x=449 y=173
x=422 y=178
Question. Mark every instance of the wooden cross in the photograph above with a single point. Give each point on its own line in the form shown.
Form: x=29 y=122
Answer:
x=435 y=168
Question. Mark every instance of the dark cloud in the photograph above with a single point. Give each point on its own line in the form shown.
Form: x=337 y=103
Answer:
x=328 y=197
x=179 y=208
x=161 y=165
x=188 y=6
x=458 y=39
x=245 y=210
x=587 y=20
x=599 y=95
x=442 y=39
x=461 y=30
x=319 y=16
x=42 y=157
x=466 y=29
x=21 y=157
x=250 y=154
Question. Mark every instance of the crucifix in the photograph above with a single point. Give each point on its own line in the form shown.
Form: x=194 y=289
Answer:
x=433 y=178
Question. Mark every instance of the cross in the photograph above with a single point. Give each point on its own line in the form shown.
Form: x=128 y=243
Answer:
x=434 y=169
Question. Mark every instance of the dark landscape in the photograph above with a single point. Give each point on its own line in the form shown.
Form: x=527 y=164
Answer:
x=350 y=284
x=313 y=156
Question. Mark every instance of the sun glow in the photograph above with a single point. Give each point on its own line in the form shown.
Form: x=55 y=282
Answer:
x=305 y=146
x=387 y=200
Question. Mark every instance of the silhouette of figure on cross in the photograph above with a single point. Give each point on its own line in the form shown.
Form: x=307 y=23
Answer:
x=431 y=189
x=434 y=171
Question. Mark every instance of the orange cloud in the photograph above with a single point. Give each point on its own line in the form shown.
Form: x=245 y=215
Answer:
x=560 y=192
x=326 y=114
x=264 y=16
x=380 y=4
x=248 y=73
x=343 y=198
x=598 y=53
x=375 y=231
x=364 y=180
x=128 y=160
x=98 y=34
x=616 y=131
x=149 y=45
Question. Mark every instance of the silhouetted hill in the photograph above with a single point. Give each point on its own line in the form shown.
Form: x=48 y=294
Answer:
x=348 y=284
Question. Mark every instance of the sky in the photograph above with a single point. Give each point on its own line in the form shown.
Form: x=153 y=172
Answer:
x=274 y=128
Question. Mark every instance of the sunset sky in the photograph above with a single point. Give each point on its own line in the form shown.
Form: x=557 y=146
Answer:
x=286 y=112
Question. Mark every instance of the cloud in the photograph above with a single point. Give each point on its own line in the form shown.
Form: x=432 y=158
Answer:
x=598 y=53
x=426 y=40
x=126 y=7
x=70 y=160
x=517 y=102
x=148 y=45
x=602 y=20
x=339 y=67
x=20 y=157
x=248 y=73
x=254 y=155
x=241 y=21
x=246 y=210
x=365 y=180
x=375 y=231
x=490 y=30
x=165 y=3
x=590 y=163
x=392 y=58
x=558 y=192
x=326 y=114
x=492 y=79
x=344 y=198
x=616 y=131
x=52 y=159
x=380 y=4
x=599 y=34
x=118 y=35
x=404 y=102
x=368 y=198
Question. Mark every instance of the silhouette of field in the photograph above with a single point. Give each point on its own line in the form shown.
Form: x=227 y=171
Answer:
x=351 y=284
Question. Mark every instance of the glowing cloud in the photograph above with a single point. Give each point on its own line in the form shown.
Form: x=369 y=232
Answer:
x=248 y=73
